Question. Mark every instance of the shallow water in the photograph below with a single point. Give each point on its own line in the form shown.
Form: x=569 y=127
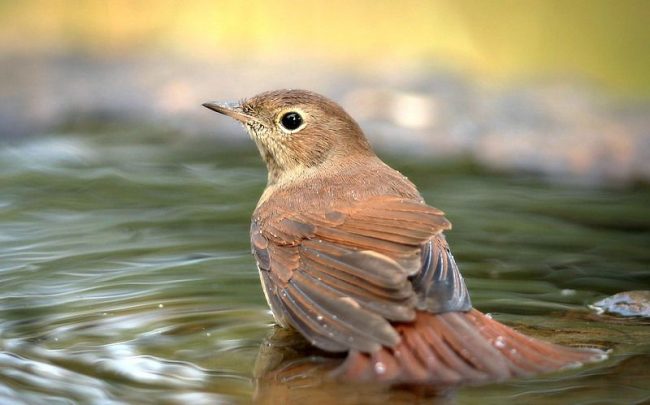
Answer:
x=125 y=274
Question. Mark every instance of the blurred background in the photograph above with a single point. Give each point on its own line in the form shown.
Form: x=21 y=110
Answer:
x=555 y=87
x=125 y=266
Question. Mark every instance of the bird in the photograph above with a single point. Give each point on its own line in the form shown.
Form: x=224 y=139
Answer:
x=351 y=256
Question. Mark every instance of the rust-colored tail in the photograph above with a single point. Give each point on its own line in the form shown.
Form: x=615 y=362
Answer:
x=461 y=347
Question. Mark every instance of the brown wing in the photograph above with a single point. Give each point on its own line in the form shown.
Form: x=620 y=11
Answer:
x=340 y=277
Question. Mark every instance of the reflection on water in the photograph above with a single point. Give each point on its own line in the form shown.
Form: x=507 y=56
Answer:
x=126 y=277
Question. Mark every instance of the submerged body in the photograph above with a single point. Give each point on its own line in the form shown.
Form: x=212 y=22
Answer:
x=351 y=256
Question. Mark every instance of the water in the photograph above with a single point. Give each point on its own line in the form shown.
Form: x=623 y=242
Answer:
x=125 y=275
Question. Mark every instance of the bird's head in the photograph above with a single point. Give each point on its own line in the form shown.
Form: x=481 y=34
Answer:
x=296 y=129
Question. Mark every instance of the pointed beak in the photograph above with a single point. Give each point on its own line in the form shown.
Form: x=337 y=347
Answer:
x=233 y=110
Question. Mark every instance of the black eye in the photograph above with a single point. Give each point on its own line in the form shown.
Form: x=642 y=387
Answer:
x=291 y=121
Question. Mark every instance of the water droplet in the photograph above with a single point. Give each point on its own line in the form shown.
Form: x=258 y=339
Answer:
x=600 y=356
x=380 y=368
x=572 y=365
x=499 y=342
x=319 y=317
x=160 y=305
x=599 y=311
x=208 y=334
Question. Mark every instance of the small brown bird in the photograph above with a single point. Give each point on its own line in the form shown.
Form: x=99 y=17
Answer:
x=351 y=256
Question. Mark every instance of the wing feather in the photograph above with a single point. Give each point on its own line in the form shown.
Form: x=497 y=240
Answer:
x=340 y=277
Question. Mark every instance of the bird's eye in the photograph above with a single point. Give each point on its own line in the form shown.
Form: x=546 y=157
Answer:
x=291 y=121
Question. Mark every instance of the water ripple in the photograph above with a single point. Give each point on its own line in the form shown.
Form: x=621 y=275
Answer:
x=126 y=275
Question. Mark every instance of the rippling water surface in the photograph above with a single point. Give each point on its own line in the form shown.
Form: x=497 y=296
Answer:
x=125 y=275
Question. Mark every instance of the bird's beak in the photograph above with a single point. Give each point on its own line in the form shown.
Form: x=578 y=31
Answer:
x=233 y=110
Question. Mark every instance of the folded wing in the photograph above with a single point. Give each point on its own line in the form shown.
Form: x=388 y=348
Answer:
x=341 y=277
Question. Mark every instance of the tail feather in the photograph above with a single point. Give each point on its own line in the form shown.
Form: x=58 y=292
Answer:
x=460 y=347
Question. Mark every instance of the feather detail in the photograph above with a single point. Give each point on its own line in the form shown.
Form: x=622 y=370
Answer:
x=460 y=347
x=352 y=271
